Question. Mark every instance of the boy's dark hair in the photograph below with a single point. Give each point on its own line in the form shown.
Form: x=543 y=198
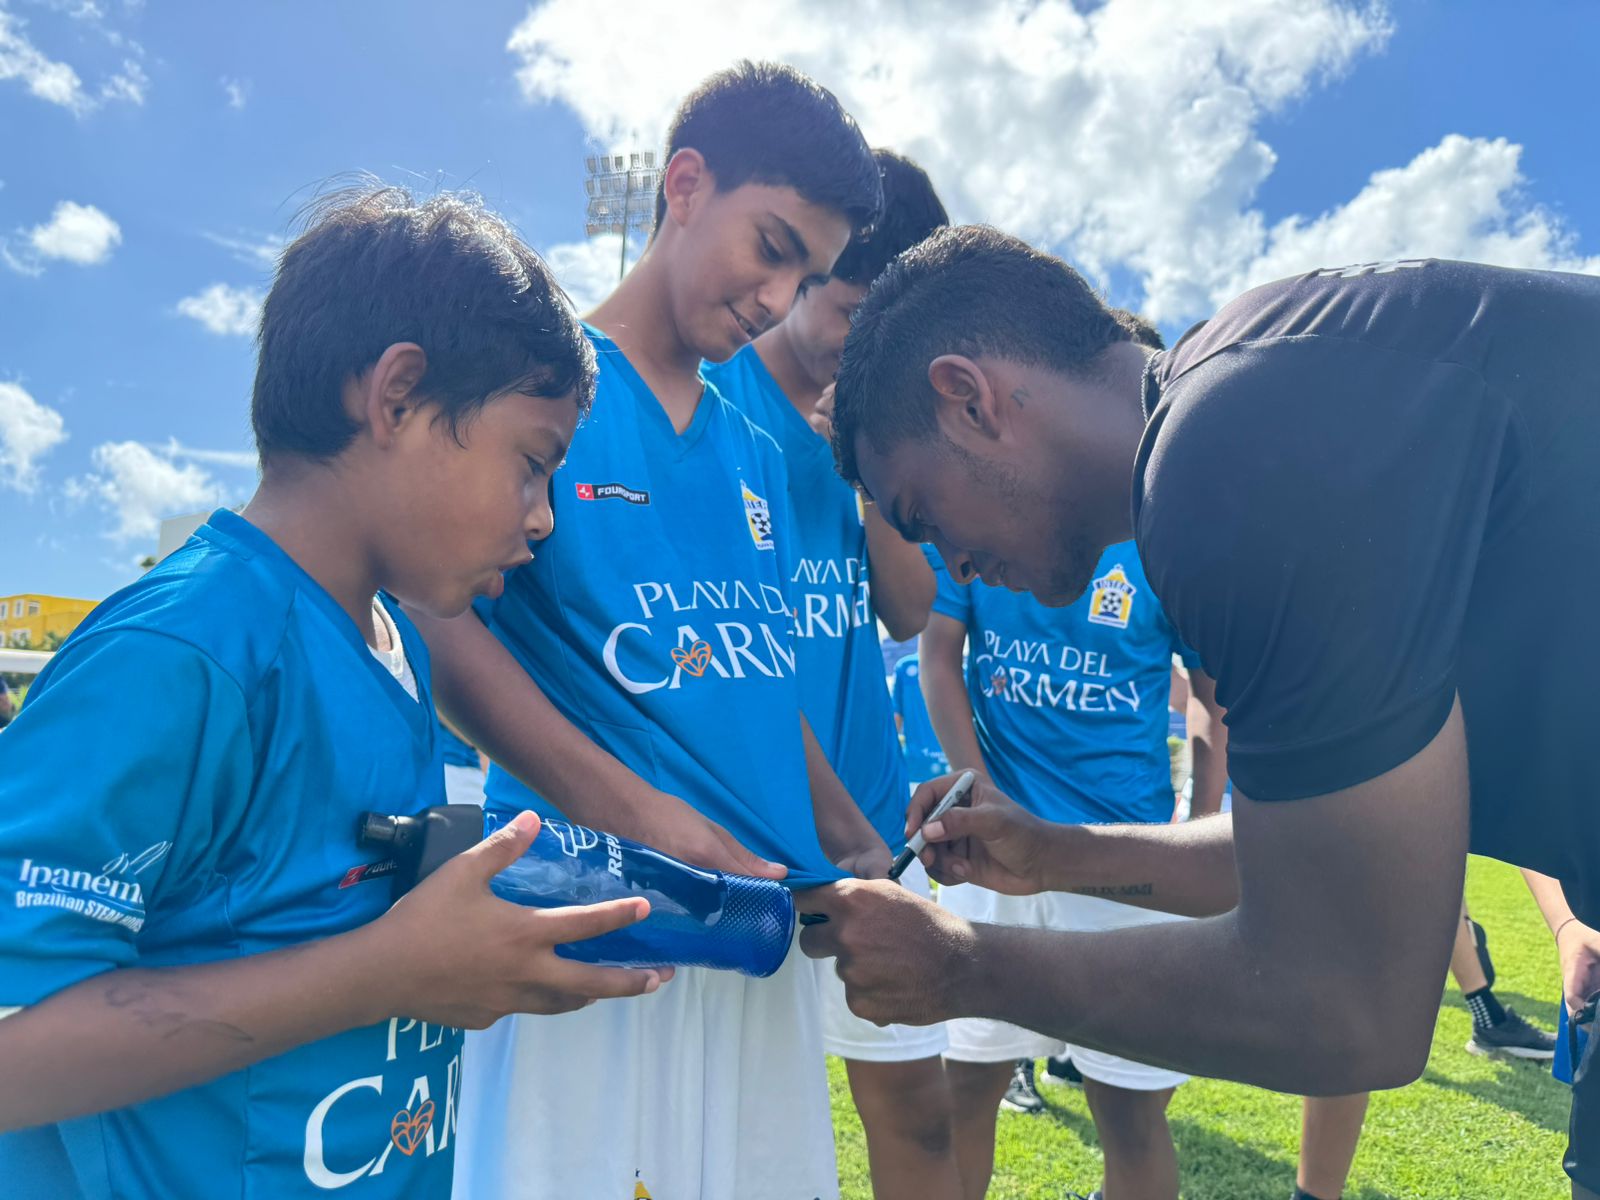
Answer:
x=968 y=290
x=768 y=123
x=375 y=266
x=1140 y=331
x=911 y=211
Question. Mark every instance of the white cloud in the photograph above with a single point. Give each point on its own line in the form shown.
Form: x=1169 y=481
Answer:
x=255 y=250
x=128 y=84
x=1460 y=199
x=588 y=269
x=78 y=233
x=47 y=79
x=236 y=90
x=1126 y=136
x=225 y=310
x=57 y=82
x=28 y=431
x=225 y=458
x=140 y=486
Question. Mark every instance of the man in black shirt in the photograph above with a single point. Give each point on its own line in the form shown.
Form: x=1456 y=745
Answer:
x=1369 y=499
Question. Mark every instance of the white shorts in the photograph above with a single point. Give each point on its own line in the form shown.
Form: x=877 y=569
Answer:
x=714 y=1087
x=848 y=1036
x=463 y=785
x=978 y=1040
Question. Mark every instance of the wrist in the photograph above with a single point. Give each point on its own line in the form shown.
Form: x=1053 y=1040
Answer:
x=1556 y=932
x=360 y=957
x=969 y=971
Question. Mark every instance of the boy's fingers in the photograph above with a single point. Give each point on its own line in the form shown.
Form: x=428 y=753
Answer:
x=923 y=801
x=591 y=920
x=505 y=845
x=746 y=863
x=607 y=983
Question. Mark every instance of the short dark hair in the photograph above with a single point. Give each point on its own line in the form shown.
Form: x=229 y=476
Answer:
x=971 y=290
x=767 y=123
x=911 y=211
x=1140 y=329
x=375 y=266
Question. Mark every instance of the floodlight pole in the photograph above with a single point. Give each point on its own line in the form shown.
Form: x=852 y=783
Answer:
x=622 y=256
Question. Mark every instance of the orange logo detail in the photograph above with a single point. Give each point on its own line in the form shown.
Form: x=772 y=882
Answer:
x=408 y=1128
x=695 y=659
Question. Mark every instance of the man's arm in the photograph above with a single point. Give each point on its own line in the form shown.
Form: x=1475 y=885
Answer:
x=1208 y=743
x=486 y=694
x=902 y=581
x=944 y=691
x=1348 y=904
x=847 y=837
x=991 y=840
x=450 y=953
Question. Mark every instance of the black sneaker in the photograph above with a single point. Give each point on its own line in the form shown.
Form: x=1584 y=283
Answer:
x=1513 y=1037
x=1061 y=1070
x=1480 y=943
x=1021 y=1096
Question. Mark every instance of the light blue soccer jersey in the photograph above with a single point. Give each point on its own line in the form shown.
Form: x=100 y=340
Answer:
x=925 y=758
x=1070 y=704
x=842 y=687
x=184 y=787
x=657 y=616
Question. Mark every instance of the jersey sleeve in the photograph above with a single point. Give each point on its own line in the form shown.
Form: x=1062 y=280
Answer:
x=1310 y=513
x=110 y=788
x=950 y=597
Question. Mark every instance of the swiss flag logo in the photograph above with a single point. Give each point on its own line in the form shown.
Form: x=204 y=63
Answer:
x=586 y=491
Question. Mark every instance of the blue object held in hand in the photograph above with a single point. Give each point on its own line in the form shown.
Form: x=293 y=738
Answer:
x=698 y=918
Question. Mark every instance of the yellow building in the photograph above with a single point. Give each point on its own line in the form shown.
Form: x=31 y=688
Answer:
x=29 y=621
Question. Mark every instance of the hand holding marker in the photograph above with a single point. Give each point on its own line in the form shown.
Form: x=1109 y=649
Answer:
x=957 y=793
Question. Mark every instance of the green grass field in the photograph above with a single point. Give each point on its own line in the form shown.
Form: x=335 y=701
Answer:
x=1470 y=1127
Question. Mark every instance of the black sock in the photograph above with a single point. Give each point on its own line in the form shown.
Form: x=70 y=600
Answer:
x=1485 y=1009
x=1301 y=1194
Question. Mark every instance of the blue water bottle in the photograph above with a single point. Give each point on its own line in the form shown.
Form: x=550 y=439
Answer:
x=698 y=918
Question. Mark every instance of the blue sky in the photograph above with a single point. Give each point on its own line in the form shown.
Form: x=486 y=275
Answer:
x=150 y=154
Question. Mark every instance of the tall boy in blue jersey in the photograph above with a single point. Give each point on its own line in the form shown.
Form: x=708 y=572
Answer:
x=1064 y=709
x=203 y=992
x=850 y=569
x=659 y=626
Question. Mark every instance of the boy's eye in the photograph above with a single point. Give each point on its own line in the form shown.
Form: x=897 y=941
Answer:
x=769 y=251
x=534 y=465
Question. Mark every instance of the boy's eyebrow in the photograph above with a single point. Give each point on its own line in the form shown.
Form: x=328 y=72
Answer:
x=798 y=242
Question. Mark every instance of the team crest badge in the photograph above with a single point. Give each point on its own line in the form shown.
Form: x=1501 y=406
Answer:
x=1111 y=602
x=758 y=517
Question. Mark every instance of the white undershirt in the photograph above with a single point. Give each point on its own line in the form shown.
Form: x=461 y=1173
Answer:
x=394 y=658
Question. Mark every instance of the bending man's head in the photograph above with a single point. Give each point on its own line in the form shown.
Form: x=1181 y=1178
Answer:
x=983 y=401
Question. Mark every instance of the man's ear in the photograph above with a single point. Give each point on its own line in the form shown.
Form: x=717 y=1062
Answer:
x=685 y=184
x=966 y=400
x=387 y=398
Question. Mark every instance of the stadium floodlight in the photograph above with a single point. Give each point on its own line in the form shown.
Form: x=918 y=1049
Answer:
x=622 y=196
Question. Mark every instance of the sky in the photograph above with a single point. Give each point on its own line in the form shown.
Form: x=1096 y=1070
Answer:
x=153 y=157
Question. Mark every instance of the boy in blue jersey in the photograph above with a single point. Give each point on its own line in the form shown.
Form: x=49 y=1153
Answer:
x=205 y=990
x=850 y=570
x=1064 y=710
x=640 y=675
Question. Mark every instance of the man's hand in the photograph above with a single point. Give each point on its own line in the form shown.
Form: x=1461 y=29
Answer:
x=458 y=955
x=902 y=959
x=1579 y=947
x=987 y=839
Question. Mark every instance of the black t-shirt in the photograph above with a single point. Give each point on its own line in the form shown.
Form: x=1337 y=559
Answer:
x=1364 y=491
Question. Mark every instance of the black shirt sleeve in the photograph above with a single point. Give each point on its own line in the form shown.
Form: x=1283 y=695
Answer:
x=1310 y=510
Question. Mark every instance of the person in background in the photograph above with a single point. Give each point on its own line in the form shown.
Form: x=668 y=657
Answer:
x=7 y=707
x=925 y=758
